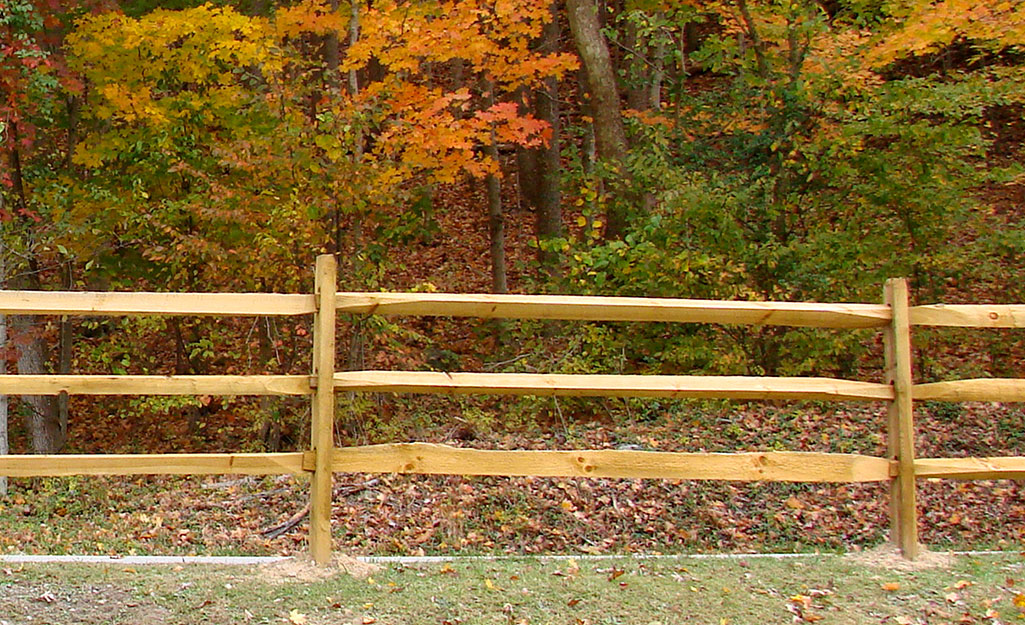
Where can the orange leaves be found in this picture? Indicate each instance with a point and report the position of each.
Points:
(430, 130)
(492, 38)
(511, 127)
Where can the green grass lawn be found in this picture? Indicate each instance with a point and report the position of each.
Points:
(827, 589)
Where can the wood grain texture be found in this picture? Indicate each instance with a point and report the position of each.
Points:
(151, 464)
(489, 306)
(726, 387)
(322, 429)
(969, 315)
(200, 304)
(900, 420)
(994, 468)
(982, 389)
(426, 458)
(155, 384)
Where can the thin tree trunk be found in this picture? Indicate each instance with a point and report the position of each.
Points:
(353, 38)
(633, 65)
(658, 74)
(332, 52)
(270, 426)
(548, 224)
(588, 151)
(66, 327)
(496, 226)
(64, 358)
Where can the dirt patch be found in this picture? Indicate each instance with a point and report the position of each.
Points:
(304, 569)
(30, 603)
(888, 557)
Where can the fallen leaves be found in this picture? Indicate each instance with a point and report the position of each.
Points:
(803, 606)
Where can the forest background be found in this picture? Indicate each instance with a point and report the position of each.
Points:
(743, 149)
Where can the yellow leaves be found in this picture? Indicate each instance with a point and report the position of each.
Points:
(931, 26)
(890, 586)
(296, 618)
(151, 69)
(801, 605)
(309, 17)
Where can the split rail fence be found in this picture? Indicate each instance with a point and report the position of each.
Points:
(894, 317)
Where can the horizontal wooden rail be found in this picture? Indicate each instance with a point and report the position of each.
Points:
(155, 384)
(982, 389)
(575, 307)
(426, 458)
(721, 387)
(969, 315)
(151, 464)
(993, 468)
(114, 303)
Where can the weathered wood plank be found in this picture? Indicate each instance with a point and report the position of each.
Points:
(322, 430)
(426, 458)
(900, 420)
(969, 315)
(981, 389)
(155, 384)
(993, 468)
(726, 387)
(151, 464)
(114, 303)
(488, 306)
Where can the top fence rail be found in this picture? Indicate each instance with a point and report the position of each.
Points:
(487, 306)
(586, 308)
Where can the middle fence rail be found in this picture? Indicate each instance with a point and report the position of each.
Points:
(894, 317)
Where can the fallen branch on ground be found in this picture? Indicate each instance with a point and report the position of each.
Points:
(295, 519)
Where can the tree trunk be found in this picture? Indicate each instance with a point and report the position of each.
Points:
(609, 131)
(331, 51)
(66, 339)
(636, 70)
(42, 419)
(496, 226)
(548, 207)
(41, 416)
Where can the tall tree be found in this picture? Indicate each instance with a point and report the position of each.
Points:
(603, 92)
(31, 83)
(540, 167)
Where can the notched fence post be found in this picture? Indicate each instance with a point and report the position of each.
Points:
(900, 438)
(322, 437)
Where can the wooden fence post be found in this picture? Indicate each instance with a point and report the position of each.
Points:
(322, 435)
(900, 426)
